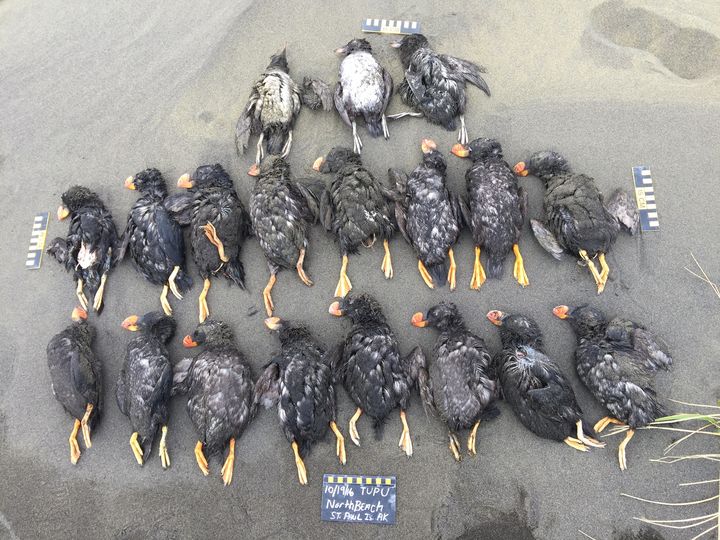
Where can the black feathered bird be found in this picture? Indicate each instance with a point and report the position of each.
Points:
(219, 225)
(274, 104)
(299, 379)
(154, 239)
(145, 382)
(618, 360)
(219, 386)
(462, 388)
(429, 216)
(435, 84)
(76, 375)
(89, 251)
(577, 220)
(282, 210)
(363, 91)
(535, 387)
(497, 209)
(356, 209)
(377, 378)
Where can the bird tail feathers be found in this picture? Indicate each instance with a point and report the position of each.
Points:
(494, 266)
(235, 272)
(183, 281)
(374, 124)
(276, 140)
(438, 272)
(379, 427)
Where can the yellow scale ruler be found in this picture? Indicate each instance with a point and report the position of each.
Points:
(37, 241)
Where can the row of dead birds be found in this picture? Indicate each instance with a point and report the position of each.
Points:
(616, 359)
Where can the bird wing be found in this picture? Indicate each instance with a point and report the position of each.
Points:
(651, 347)
(125, 238)
(82, 376)
(170, 236)
(267, 387)
(547, 240)
(181, 206)
(316, 93)
(624, 209)
(333, 358)
(340, 105)
(388, 84)
(120, 393)
(523, 196)
(460, 209)
(399, 178)
(327, 211)
(311, 192)
(181, 376)
(249, 121)
(471, 72)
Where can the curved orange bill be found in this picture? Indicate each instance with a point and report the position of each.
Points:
(185, 181)
(334, 309)
(62, 212)
(417, 320)
(188, 342)
(130, 182)
(428, 145)
(273, 323)
(520, 169)
(561, 312)
(496, 317)
(460, 150)
(318, 163)
(254, 170)
(130, 323)
(78, 314)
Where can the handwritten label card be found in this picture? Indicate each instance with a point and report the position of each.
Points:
(359, 499)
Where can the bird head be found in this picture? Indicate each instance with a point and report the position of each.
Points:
(76, 198)
(147, 181)
(155, 323)
(279, 61)
(354, 45)
(443, 316)
(408, 45)
(209, 332)
(335, 160)
(359, 308)
(479, 149)
(432, 157)
(274, 165)
(516, 329)
(78, 314)
(206, 176)
(543, 164)
(584, 319)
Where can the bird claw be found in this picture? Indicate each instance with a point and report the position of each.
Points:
(164, 456)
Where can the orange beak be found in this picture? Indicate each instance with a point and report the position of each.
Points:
(417, 320)
(460, 150)
(561, 312)
(495, 317)
(334, 309)
(318, 163)
(62, 212)
(78, 314)
(130, 323)
(188, 342)
(428, 145)
(130, 182)
(520, 169)
(254, 170)
(185, 181)
(273, 323)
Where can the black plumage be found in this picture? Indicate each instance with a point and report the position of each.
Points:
(577, 220)
(219, 225)
(274, 104)
(461, 388)
(356, 208)
(497, 209)
(429, 216)
(375, 376)
(535, 386)
(76, 375)
(219, 386)
(282, 210)
(299, 379)
(363, 90)
(154, 239)
(89, 251)
(145, 382)
(618, 360)
(435, 84)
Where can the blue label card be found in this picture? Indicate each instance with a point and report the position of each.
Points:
(359, 499)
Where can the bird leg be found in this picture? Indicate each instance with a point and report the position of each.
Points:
(386, 132)
(211, 235)
(285, 153)
(164, 456)
(473, 438)
(357, 143)
(455, 447)
(85, 427)
(267, 298)
(405, 440)
(451, 271)
(604, 269)
(97, 301)
(164, 301)
(260, 153)
(201, 459)
(621, 449)
(585, 439)
(478, 277)
(519, 269)
(386, 266)
(604, 422)
(202, 301)
(340, 445)
(576, 444)
(593, 270)
(74, 446)
(425, 275)
(352, 427)
(462, 134)
(227, 470)
(81, 295)
(136, 448)
(301, 271)
(302, 472)
(344, 286)
(173, 285)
